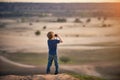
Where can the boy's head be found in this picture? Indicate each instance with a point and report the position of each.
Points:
(50, 35)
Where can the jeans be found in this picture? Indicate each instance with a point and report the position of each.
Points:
(50, 60)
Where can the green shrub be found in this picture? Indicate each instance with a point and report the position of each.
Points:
(61, 20)
(37, 32)
(64, 59)
(23, 20)
(104, 25)
(88, 20)
(44, 27)
(77, 20)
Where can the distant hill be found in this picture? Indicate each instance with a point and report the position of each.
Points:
(59, 9)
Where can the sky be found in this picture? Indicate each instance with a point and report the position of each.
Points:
(58, 1)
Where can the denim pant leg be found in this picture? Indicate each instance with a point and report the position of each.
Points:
(50, 60)
(56, 64)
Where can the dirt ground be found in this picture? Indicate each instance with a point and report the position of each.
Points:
(93, 50)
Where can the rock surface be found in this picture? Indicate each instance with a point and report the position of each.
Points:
(39, 77)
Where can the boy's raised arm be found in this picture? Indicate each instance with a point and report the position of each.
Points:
(61, 40)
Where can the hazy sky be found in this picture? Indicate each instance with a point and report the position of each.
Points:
(59, 1)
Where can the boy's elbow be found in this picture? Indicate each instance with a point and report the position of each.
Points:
(61, 41)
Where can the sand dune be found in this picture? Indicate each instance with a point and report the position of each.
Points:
(83, 69)
(23, 68)
(15, 63)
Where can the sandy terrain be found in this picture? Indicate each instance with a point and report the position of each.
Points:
(20, 36)
(17, 37)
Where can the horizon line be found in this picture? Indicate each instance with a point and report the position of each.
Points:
(55, 2)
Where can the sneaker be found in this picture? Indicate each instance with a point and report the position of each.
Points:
(48, 73)
(56, 73)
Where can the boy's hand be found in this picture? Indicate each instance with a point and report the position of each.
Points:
(61, 40)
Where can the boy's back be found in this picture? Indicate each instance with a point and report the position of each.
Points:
(52, 45)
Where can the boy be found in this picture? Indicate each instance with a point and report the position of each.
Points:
(52, 45)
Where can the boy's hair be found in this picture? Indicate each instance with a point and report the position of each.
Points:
(50, 35)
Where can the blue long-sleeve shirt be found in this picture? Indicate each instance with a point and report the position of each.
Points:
(52, 45)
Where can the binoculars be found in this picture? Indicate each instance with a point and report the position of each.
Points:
(56, 35)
